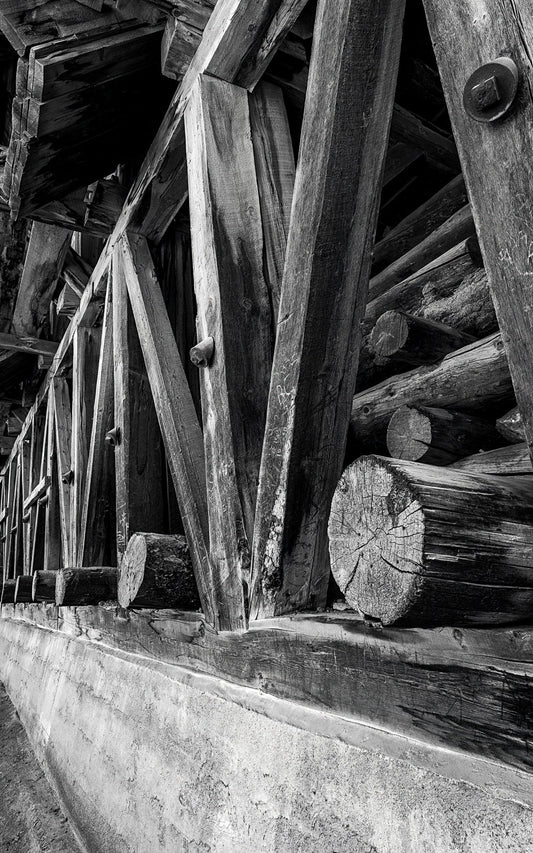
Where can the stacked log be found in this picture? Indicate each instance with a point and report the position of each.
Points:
(417, 544)
(44, 586)
(156, 571)
(85, 586)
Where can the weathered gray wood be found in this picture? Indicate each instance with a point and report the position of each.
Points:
(238, 42)
(175, 409)
(8, 591)
(508, 461)
(139, 465)
(315, 362)
(437, 436)
(27, 344)
(44, 258)
(97, 510)
(463, 303)
(63, 437)
(157, 572)
(420, 223)
(418, 544)
(104, 200)
(409, 341)
(469, 379)
(458, 227)
(234, 309)
(465, 39)
(275, 170)
(44, 586)
(23, 589)
(438, 146)
(77, 587)
(510, 426)
(52, 517)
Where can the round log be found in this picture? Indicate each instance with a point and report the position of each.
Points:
(156, 571)
(44, 586)
(471, 379)
(514, 459)
(420, 545)
(438, 436)
(410, 341)
(8, 592)
(23, 589)
(79, 587)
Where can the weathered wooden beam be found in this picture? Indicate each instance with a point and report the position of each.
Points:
(139, 464)
(238, 42)
(8, 591)
(157, 572)
(84, 375)
(6, 444)
(68, 302)
(98, 505)
(323, 298)
(469, 379)
(78, 587)
(465, 40)
(438, 146)
(438, 436)
(44, 586)
(234, 309)
(421, 223)
(45, 254)
(23, 589)
(103, 200)
(27, 344)
(50, 501)
(174, 406)
(424, 545)
(76, 271)
(37, 493)
(63, 438)
(457, 228)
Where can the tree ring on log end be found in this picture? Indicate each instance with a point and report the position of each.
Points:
(376, 522)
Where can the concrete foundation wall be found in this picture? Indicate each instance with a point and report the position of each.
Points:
(150, 757)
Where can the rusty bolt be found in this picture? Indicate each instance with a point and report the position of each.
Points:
(491, 90)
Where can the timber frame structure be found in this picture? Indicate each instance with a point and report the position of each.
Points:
(241, 451)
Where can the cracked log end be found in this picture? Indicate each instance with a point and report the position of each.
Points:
(376, 530)
(156, 572)
(423, 545)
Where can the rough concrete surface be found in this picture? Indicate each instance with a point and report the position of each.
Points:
(31, 820)
(149, 759)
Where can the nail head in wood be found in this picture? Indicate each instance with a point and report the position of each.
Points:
(491, 90)
(201, 355)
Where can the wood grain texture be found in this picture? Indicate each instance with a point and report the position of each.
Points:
(157, 572)
(26, 343)
(44, 258)
(438, 436)
(44, 586)
(510, 426)
(323, 298)
(469, 379)
(466, 35)
(507, 461)
(138, 450)
(389, 677)
(63, 436)
(423, 545)
(98, 506)
(175, 409)
(275, 170)
(234, 309)
(82, 586)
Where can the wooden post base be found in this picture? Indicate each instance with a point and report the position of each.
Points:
(44, 586)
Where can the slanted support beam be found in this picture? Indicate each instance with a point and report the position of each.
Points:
(342, 152)
(234, 310)
(467, 35)
(174, 406)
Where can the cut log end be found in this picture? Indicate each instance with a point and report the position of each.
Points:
(376, 520)
(389, 335)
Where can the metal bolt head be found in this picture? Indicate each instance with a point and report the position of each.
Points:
(491, 90)
(113, 437)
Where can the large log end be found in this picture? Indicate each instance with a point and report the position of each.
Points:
(156, 571)
(376, 521)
